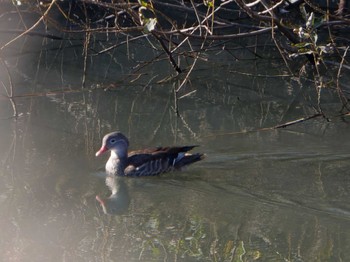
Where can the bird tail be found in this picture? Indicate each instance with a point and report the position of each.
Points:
(187, 159)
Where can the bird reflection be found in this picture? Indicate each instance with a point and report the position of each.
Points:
(118, 202)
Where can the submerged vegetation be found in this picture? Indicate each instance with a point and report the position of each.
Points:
(310, 37)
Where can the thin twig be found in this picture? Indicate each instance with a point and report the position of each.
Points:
(223, 37)
(10, 93)
(197, 16)
(188, 74)
(339, 90)
(172, 61)
(31, 28)
(297, 121)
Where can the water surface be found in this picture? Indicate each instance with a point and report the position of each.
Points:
(264, 195)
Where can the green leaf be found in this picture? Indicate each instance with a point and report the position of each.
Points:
(310, 21)
(301, 45)
(143, 3)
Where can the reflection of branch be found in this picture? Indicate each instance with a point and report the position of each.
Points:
(9, 94)
(85, 53)
(187, 126)
(34, 33)
(339, 90)
(127, 41)
(158, 127)
(290, 123)
(297, 121)
(32, 27)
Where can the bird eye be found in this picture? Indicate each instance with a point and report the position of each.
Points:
(113, 140)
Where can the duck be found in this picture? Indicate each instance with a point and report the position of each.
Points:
(144, 162)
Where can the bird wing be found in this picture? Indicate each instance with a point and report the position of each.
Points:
(154, 161)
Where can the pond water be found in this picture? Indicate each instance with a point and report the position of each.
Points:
(259, 195)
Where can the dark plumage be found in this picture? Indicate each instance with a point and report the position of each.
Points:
(147, 162)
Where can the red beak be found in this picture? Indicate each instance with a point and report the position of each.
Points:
(101, 151)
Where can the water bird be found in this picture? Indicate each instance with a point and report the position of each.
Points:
(145, 162)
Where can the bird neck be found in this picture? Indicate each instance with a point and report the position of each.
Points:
(116, 164)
